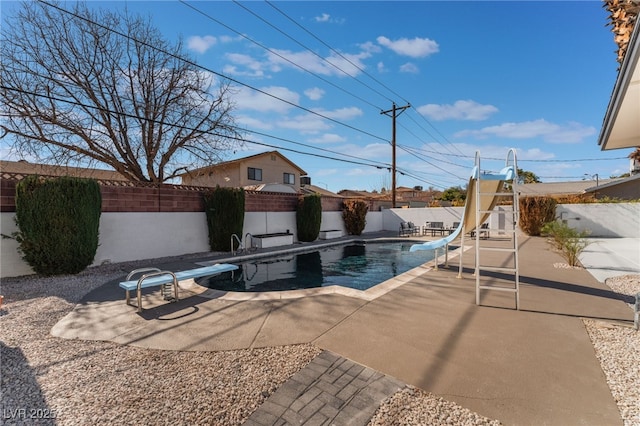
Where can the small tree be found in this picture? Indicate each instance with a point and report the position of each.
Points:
(58, 221)
(97, 85)
(224, 208)
(309, 217)
(535, 212)
(354, 214)
(568, 241)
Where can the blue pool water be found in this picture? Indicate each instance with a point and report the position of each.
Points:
(354, 265)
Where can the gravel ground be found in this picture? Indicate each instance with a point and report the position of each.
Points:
(618, 349)
(412, 406)
(47, 380)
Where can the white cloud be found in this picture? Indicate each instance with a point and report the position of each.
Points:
(255, 68)
(415, 48)
(247, 99)
(351, 64)
(370, 47)
(460, 110)
(341, 114)
(381, 67)
(325, 17)
(328, 138)
(305, 123)
(315, 93)
(572, 132)
(201, 44)
(253, 123)
(409, 68)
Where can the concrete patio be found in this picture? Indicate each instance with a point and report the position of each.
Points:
(532, 366)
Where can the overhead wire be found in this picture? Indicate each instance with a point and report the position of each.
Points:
(83, 105)
(337, 52)
(208, 16)
(231, 79)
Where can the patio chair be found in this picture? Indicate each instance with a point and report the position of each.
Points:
(484, 231)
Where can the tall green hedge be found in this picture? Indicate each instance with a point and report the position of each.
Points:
(535, 212)
(224, 208)
(58, 221)
(309, 217)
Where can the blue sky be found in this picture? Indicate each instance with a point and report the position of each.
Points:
(488, 76)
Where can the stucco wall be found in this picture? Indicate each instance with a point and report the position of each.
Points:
(135, 236)
(603, 220)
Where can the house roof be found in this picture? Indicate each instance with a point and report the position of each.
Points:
(25, 168)
(207, 169)
(612, 183)
(621, 127)
(561, 188)
(313, 189)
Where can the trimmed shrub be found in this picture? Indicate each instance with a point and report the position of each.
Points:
(224, 208)
(568, 241)
(309, 217)
(58, 221)
(354, 214)
(535, 212)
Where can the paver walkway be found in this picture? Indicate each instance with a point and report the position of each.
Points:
(329, 390)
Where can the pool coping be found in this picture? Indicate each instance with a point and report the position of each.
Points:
(368, 295)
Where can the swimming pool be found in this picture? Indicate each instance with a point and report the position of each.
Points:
(356, 265)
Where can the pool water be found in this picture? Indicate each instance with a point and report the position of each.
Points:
(355, 265)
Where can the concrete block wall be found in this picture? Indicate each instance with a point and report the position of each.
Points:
(145, 223)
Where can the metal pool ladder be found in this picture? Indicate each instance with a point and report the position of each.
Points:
(240, 245)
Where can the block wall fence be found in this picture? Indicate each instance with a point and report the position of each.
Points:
(148, 222)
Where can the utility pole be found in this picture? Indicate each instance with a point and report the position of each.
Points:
(394, 113)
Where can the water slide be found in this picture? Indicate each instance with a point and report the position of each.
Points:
(479, 183)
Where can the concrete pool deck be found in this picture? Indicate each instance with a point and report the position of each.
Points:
(533, 366)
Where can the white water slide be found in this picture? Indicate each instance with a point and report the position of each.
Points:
(483, 193)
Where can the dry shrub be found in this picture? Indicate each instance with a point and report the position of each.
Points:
(535, 212)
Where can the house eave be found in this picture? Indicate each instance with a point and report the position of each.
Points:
(621, 126)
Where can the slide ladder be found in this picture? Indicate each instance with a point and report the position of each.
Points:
(484, 191)
(496, 248)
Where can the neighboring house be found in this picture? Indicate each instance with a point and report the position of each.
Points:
(269, 171)
(405, 197)
(623, 189)
(313, 189)
(23, 168)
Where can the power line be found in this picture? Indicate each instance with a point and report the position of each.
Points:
(341, 55)
(317, 55)
(212, 71)
(83, 105)
(276, 53)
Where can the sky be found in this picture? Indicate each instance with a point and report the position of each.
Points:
(476, 77)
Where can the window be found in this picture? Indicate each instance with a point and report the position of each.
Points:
(289, 178)
(255, 174)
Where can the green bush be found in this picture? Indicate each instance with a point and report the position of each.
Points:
(58, 221)
(568, 241)
(309, 217)
(224, 208)
(535, 212)
(354, 214)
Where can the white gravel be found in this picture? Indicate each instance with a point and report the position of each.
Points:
(47, 380)
(617, 346)
(412, 406)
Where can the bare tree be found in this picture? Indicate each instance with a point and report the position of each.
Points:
(85, 85)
